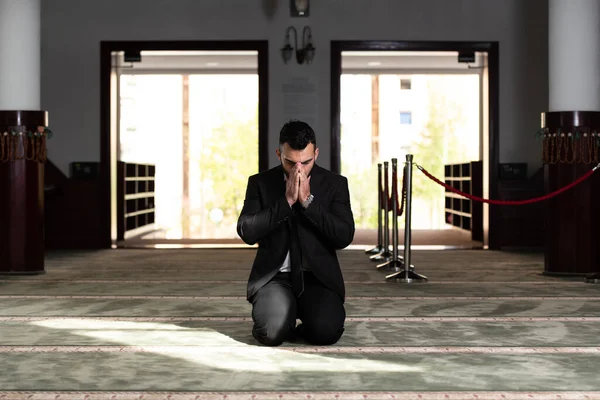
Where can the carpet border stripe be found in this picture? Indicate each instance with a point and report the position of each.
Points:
(348, 319)
(167, 297)
(301, 349)
(225, 281)
(338, 395)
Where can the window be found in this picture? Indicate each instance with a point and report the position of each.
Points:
(405, 118)
(405, 84)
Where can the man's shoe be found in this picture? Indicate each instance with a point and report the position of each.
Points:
(299, 332)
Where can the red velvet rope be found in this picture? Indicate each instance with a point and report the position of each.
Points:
(394, 189)
(381, 195)
(386, 199)
(401, 195)
(509, 202)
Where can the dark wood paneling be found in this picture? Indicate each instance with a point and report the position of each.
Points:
(135, 198)
(495, 221)
(460, 211)
(522, 225)
(335, 105)
(72, 210)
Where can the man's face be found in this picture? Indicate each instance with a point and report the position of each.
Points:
(303, 159)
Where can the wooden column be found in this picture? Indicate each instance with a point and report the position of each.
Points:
(570, 149)
(22, 157)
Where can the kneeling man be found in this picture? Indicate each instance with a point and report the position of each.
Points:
(299, 214)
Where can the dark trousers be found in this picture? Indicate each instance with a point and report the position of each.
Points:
(275, 309)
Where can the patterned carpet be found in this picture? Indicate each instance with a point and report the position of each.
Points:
(174, 324)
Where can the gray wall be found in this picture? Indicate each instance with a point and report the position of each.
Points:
(73, 29)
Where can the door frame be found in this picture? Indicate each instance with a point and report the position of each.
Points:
(108, 117)
(492, 50)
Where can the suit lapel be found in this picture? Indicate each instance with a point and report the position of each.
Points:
(276, 183)
(316, 181)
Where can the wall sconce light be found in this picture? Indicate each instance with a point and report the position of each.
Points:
(299, 8)
(304, 54)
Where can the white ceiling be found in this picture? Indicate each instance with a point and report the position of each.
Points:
(246, 61)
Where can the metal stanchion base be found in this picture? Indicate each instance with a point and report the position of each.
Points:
(593, 278)
(407, 277)
(383, 256)
(394, 265)
(375, 250)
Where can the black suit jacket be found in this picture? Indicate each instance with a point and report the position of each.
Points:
(324, 227)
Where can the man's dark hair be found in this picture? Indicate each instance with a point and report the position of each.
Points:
(297, 135)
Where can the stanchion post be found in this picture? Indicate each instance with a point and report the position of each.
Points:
(379, 248)
(408, 215)
(395, 263)
(395, 212)
(407, 275)
(385, 253)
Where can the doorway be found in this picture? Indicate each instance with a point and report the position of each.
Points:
(177, 121)
(432, 100)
